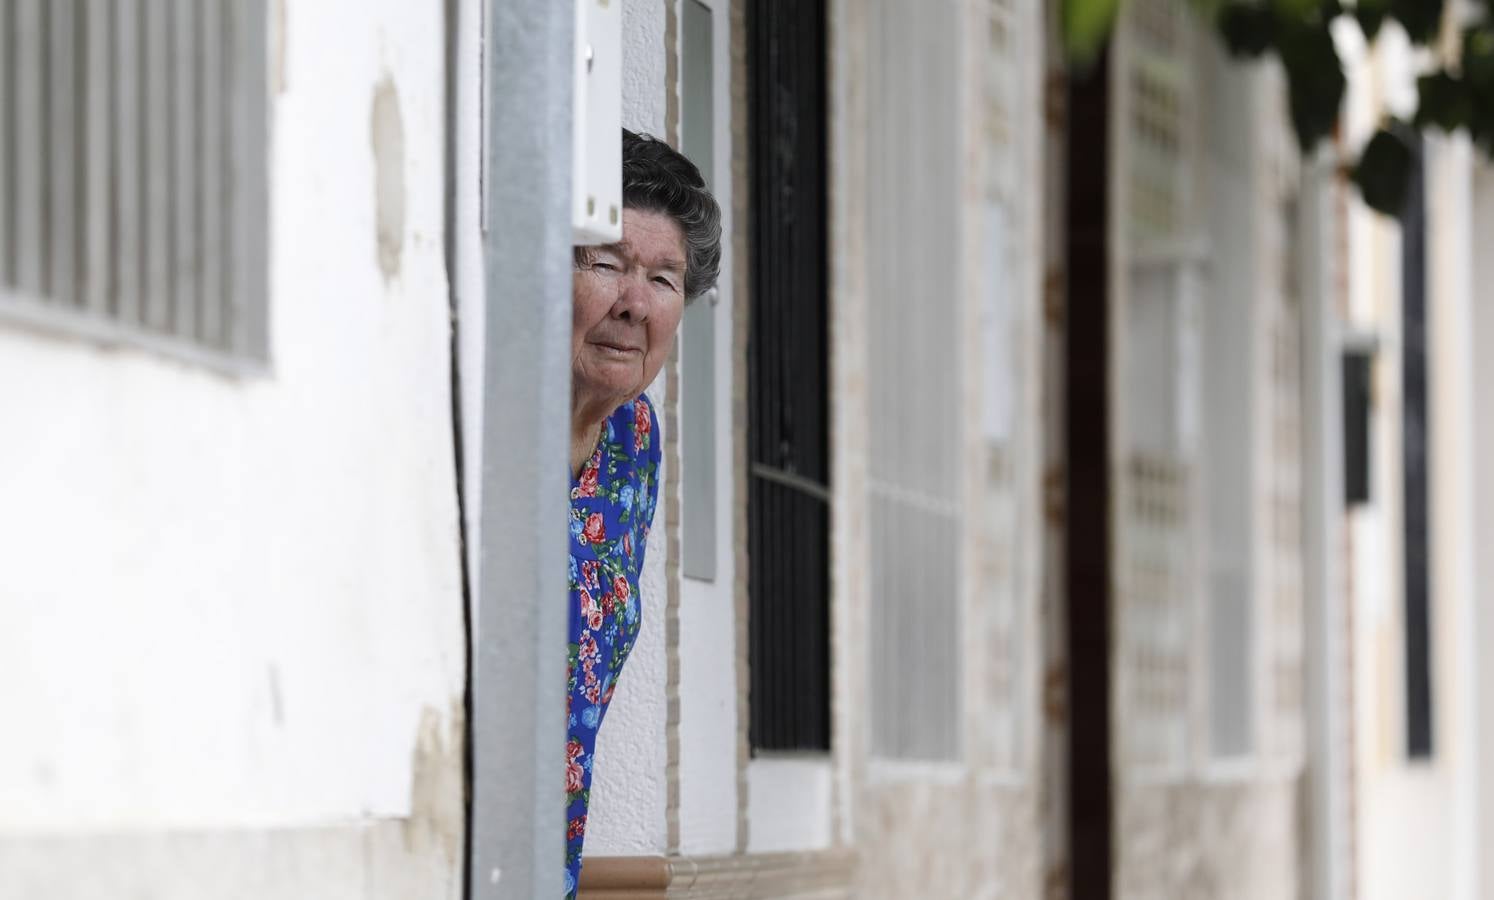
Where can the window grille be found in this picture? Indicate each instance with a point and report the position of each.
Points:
(1155, 609)
(1286, 565)
(133, 157)
(788, 379)
(1155, 626)
(1157, 82)
(1003, 95)
(916, 435)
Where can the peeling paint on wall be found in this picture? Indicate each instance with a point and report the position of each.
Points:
(437, 814)
(387, 132)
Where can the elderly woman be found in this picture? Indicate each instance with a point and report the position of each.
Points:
(629, 298)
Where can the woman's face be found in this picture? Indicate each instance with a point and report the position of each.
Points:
(628, 301)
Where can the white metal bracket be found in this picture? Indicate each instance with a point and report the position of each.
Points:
(596, 184)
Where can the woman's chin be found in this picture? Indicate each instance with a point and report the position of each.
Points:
(615, 384)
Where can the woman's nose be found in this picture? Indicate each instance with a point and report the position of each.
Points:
(632, 299)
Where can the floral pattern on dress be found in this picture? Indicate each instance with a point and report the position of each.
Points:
(612, 506)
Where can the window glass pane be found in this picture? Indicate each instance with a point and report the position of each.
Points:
(698, 331)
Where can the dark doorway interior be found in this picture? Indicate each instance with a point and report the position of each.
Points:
(1088, 522)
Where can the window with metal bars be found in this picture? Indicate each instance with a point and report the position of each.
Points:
(133, 159)
(788, 379)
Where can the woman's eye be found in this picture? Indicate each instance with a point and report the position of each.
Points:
(665, 282)
(604, 266)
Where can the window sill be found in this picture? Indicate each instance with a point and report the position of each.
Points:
(58, 322)
(790, 802)
(822, 874)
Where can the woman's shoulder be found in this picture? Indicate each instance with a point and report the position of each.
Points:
(637, 420)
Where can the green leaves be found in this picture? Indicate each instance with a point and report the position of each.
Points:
(1299, 33)
(1383, 173)
(1315, 80)
(1371, 14)
(1478, 56)
(1463, 98)
(1478, 84)
(1445, 101)
(1087, 25)
(1248, 30)
(1420, 18)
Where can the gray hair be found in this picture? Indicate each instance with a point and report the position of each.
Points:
(658, 178)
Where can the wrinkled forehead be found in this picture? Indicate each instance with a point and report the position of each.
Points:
(653, 239)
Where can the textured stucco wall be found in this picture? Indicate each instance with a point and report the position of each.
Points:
(232, 646)
(1208, 841)
(629, 790)
(954, 840)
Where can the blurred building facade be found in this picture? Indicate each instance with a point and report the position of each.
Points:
(1204, 306)
(1414, 538)
(1071, 489)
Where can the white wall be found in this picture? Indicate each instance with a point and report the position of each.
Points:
(1482, 494)
(233, 607)
(468, 273)
(1451, 353)
(708, 732)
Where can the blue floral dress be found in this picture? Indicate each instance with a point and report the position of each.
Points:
(612, 505)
